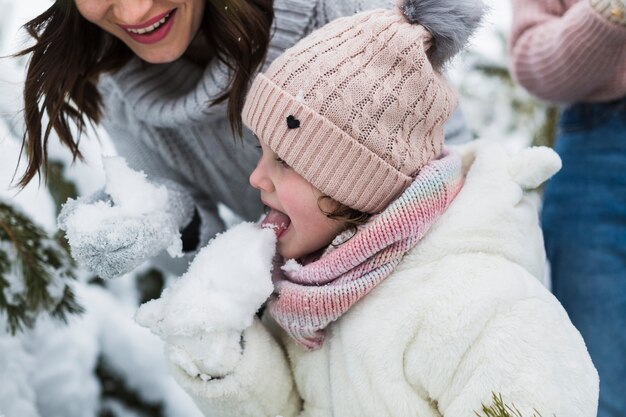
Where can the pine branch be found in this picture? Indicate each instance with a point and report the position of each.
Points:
(499, 409)
(35, 271)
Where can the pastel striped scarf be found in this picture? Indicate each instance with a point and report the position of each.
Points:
(308, 298)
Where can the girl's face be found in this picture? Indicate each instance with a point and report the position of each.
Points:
(295, 214)
(157, 31)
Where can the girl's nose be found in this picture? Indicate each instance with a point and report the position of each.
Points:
(132, 12)
(259, 178)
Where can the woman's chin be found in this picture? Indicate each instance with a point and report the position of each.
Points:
(156, 56)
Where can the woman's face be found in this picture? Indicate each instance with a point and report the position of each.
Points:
(157, 31)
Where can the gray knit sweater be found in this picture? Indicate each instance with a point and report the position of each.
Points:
(159, 119)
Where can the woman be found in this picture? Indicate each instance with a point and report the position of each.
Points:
(573, 52)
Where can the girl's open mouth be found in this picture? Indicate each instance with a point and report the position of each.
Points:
(277, 221)
(153, 30)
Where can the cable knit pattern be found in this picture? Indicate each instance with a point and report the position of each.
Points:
(366, 82)
(566, 51)
(313, 296)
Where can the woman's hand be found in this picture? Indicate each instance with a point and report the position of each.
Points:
(115, 244)
(133, 219)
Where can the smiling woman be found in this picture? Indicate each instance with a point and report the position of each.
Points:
(156, 32)
(167, 80)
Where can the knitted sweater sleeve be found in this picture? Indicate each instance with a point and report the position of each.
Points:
(565, 54)
(261, 384)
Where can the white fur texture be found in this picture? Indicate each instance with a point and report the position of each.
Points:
(464, 315)
(533, 166)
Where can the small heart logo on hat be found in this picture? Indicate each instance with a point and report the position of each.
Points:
(292, 122)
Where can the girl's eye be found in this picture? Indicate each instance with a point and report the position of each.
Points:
(282, 162)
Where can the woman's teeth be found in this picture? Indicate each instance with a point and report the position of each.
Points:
(150, 28)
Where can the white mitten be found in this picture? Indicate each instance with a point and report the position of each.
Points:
(202, 315)
(132, 219)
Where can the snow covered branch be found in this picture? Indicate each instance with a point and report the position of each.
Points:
(35, 271)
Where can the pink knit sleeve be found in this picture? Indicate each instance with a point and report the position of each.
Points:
(567, 54)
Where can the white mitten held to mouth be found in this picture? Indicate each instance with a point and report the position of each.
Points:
(201, 316)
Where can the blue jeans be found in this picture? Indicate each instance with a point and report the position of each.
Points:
(584, 222)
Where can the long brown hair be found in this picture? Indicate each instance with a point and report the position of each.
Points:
(70, 53)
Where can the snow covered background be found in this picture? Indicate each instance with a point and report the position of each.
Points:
(52, 371)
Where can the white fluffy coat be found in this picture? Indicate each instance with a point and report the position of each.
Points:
(464, 316)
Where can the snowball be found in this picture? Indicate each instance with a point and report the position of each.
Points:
(130, 189)
(291, 266)
(88, 217)
(223, 288)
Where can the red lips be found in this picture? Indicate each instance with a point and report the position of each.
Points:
(155, 35)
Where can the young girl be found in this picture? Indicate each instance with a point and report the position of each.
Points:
(405, 292)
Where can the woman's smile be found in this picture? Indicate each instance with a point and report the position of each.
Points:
(157, 31)
(153, 30)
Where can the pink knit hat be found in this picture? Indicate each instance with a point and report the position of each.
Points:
(358, 107)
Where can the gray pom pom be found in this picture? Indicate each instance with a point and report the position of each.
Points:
(451, 22)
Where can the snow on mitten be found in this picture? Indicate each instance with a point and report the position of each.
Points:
(133, 219)
(202, 315)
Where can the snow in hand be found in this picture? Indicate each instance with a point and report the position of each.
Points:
(130, 191)
(131, 211)
(202, 315)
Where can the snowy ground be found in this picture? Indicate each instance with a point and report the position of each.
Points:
(49, 372)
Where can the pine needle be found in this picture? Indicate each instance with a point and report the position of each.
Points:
(499, 409)
(35, 271)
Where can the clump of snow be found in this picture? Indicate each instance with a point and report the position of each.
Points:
(131, 190)
(88, 217)
(62, 375)
(15, 288)
(291, 266)
(17, 397)
(201, 316)
(131, 193)
(225, 285)
(114, 236)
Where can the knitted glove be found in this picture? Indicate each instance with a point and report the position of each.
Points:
(612, 10)
(113, 231)
(202, 316)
